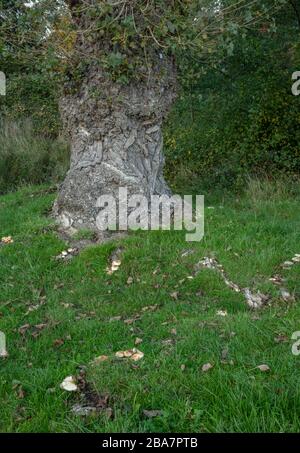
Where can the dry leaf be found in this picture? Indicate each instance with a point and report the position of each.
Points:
(22, 330)
(40, 326)
(281, 338)
(150, 308)
(224, 354)
(115, 318)
(129, 280)
(263, 367)
(174, 295)
(58, 342)
(286, 296)
(187, 252)
(69, 384)
(7, 240)
(276, 279)
(83, 411)
(138, 341)
(152, 414)
(138, 355)
(222, 313)
(67, 254)
(132, 320)
(20, 393)
(206, 367)
(133, 354)
(100, 359)
(113, 267)
(287, 264)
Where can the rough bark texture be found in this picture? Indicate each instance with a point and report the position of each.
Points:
(116, 140)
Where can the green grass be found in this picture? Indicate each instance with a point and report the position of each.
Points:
(250, 237)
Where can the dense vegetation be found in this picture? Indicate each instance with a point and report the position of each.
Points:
(241, 118)
(235, 113)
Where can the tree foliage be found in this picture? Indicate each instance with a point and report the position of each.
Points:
(241, 118)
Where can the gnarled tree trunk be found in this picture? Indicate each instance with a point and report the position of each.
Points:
(116, 140)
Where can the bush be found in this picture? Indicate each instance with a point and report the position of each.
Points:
(240, 118)
(27, 158)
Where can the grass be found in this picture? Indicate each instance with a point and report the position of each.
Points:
(250, 236)
(27, 158)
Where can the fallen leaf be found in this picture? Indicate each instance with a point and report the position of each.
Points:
(100, 359)
(187, 252)
(263, 367)
(83, 411)
(281, 338)
(113, 267)
(276, 279)
(206, 367)
(152, 413)
(69, 384)
(22, 330)
(58, 342)
(138, 341)
(138, 355)
(7, 240)
(287, 264)
(286, 296)
(20, 393)
(168, 342)
(40, 326)
(224, 354)
(150, 308)
(120, 354)
(129, 280)
(174, 295)
(134, 354)
(222, 313)
(35, 334)
(115, 318)
(132, 320)
(67, 254)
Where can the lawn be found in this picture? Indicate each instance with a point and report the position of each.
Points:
(60, 315)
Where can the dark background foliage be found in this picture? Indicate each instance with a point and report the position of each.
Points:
(240, 118)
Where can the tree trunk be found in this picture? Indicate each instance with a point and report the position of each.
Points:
(116, 140)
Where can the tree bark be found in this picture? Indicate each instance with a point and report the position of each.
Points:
(116, 141)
